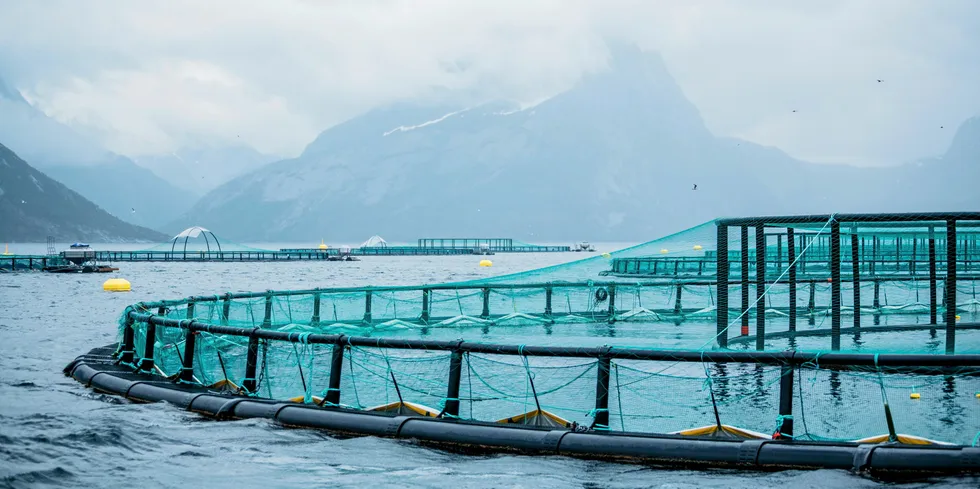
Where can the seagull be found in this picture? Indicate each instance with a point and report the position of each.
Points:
(23, 202)
(695, 187)
(794, 111)
(134, 210)
(879, 81)
(940, 127)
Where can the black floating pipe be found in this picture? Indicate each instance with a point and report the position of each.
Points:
(601, 419)
(835, 285)
(451, 408)
(791, 251)
(950, 286)
(251, 362)
(760, 287)
(336, 368)
(933, 297)
(856, 277)
(745, 280)
(721, 264)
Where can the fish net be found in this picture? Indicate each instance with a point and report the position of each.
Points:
(819, 286)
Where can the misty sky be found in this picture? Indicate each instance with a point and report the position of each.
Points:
(150, 77)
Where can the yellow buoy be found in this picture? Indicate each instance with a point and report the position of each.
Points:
(664, 250)
(957, 317)
(486, 263)
(116, 285)
(698, 248)
(606, 255)
(914, 395)
(978, 395)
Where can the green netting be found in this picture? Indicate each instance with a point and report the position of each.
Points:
(660, 295)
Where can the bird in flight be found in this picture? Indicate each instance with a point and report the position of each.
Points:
(879, 81)
(695, 187)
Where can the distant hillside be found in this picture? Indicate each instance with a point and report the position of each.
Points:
(112, 181)
(614, 158)
(34, 206)
(125, 190)
(201, 169)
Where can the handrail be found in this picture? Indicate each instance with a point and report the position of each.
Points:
(613, 352)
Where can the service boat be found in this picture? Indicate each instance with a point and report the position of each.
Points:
(81, 259)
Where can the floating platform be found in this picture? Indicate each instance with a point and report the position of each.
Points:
(101, 370)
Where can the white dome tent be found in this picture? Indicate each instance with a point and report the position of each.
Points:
(194, 232)
(375, 242)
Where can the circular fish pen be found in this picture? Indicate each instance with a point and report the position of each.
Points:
(590, 360)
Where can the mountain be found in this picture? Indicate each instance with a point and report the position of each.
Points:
(125, 190)
(35, 206)
(201, 169)
(613, 158)
(112, 181)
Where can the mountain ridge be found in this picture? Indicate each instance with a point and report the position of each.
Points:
(613, 158)
(112, 181)
(35, 206)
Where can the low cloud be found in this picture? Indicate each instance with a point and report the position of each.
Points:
(151, 77)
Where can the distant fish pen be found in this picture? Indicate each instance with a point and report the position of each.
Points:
(583, 360)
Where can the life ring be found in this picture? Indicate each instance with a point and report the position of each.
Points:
(601, 295)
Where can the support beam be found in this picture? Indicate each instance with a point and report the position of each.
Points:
(835, 285)
(721, 316)
(785, 428)
(933, 296)
(745, 280)
(451, 409)
(791, 250)
(856, 276)
(336, 369)
(601, 420)
(950, 286)
(760, 287)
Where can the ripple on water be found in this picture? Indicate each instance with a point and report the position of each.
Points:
(56, 476)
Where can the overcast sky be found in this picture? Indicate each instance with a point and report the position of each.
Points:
(149, 77)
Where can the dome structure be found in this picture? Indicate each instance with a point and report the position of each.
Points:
(194, 232)
(375, 242)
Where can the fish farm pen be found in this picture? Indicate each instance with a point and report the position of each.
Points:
(14, 263)
(756, 371)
